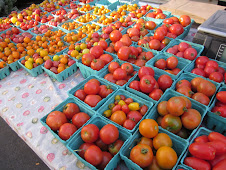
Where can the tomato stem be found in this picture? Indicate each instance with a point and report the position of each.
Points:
(144, 151)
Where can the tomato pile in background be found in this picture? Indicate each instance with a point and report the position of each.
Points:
(61, 34)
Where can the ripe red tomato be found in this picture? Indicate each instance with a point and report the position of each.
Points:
(150, 25)
(190, 53)
(97, 64)
(171, 123)
(176, 29)
(134, 115)
(106, 159)
(101, 145)
(145, 71)
(191, 119)
(220, 165)
(109, 134)
(115, 147)
(159, 35)
(201, 98)
(206, 87)
(128, 67)
(172, 50)
(149, 55)
(221, 70)
(119, 74)
(176, 106)
(129, 124)
(125, 108)
(171, 62)
(199, 71)
(92, 100)
(118, 45)
(135, 84)
(80, 119)
(202, 139)
(96, 51)
(209, 70)
(113, 66)
(156, 94)
(115, 35)
(185, 91)
(70, 110)
(164, 82)
(147, 83)
(202, 151)
(161, 64)
(183, 83)
(55, 119)
(105, 91)
(109, 77)
(183, 46)
(202, 60)
(90, 133)
(197, 163)
(140, 62)
(87, 59)
(124, 53)
(221, 96)
(215, 136)
(91, 88)
(217, 159)
(121, 82)
(93, 155)
(219, 146)
(154, 44)
(216, 76)
(80, 94)
(185, 20)
(143, 110)
(103, 44)
(142, 155)
(83, 148)
(212, 63)
(66, 130)
(106, 58)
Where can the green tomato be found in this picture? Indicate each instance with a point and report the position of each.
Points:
(107, 113)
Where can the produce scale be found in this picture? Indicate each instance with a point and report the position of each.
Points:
(113, 85)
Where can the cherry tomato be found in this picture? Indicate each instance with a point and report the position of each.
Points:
(125, 108)
(135, 85)
(156, 94)
(93, 155)
(143, 110)
(135, 116)
(129, 124)
(107, 137)
(128, 101)
(190, 53)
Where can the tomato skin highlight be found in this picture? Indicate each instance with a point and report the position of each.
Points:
(219, 146)
(202, 151)
(197, 163)
(202, 139)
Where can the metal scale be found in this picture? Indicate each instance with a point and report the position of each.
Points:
(212, 34)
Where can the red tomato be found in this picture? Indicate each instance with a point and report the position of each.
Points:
(87, 59)
(221, 70)
(118, 45)
(206, 87)
(171, 62)
(220, 165)
(115, 147)
(92, 100)
(145, 71)
(219, 146)
(191, 119)
(70, 110)
(106, 58)
(80, 119)
(190, 53)
(201, 98)
(147, 83)
(91, 88)
(105, 91)
(90, 133)
(149, 55)
(82, 149)
(106, 159)
(113, 66)
(80, 94)
(164, 82)
(115, 35)
(140, 62)
(134, 32)
(217, 159)
(134, 51)
(183, 46)
(202, 151)
(119, 74)
(216, 76)
(215, 136)
(96, 51)
(124, 53)
(208, 70)
(109, 77)
(128, 67)
(199, 71)
(150, 25)
(93, 155)
(97, 64)
(94, 81)
(159, 35)
(135, 85)
(134, 115)
(185, 20)
(156, 94)
(202, 139)
(121, 82)
(103, 44)
(143, 110)
(202, 60)
(221, 96)
(66, 130)
(212, 63)
(197, 163)
(182, 83)
(161, 64)
(126, 40)
(176, 29)
(101, 145)
(116, 108)
(109, 134)
(172, 51)
(154, 44)
(55, 119)
(129, 124)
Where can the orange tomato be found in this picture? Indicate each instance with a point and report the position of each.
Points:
(118, 117)
(162, 108)
(146, 141)
(148, 128)
(162, 139)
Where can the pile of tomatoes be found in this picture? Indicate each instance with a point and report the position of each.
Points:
(177, 116)
(207, 152)
(198, 89)
(209, 69)
(100, 144)
(157, 14)
(68, 121)
(183, 50)
(169, 65)
(148, 85)
(119, 75)
(220, 105)
(154, 150)
(125, 112)
(93, 92)
(96, 59)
